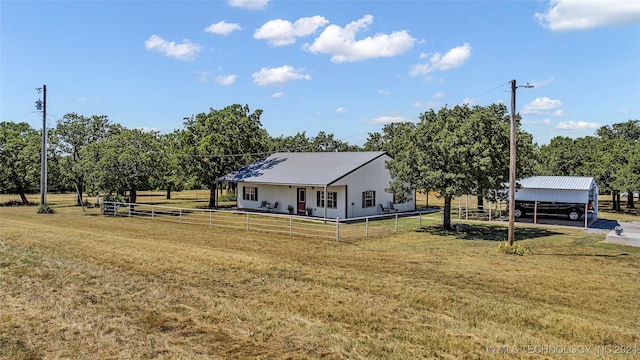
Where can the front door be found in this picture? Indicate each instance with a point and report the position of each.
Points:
(302, 201)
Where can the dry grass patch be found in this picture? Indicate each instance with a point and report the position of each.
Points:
(79, 285)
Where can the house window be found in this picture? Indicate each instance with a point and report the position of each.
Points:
(368, 199)
(250, 193)
(332, 199)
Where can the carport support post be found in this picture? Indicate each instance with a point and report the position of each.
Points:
(586, 215)
(338, 229)
(535, 212)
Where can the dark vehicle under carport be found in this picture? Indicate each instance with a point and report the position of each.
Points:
(573, 211)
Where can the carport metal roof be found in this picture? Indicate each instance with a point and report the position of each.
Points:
(558, 182)
(564, 189)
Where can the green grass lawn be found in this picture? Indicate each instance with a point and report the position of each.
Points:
(75, 284)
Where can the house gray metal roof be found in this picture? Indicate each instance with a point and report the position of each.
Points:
(304, 168)
(558, 182)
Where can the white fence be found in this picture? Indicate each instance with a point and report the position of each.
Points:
(292, 225)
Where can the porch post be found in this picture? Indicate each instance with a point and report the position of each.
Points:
(326, 197)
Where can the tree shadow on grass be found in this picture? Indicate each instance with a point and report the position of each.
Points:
(487, 232)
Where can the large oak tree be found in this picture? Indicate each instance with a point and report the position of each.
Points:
(222, 141)
(20, 148)
(74, 132)
(458, 151)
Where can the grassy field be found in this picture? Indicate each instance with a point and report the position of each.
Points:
(75, 284)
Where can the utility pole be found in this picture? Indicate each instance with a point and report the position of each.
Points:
(43, 159)
(512, 163)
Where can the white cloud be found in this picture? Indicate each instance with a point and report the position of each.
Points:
(577, 125)
(282, 32)
(277, 95)
(623, 111)
(438, 95)
(542, 83)
(452, 59)
(341, 109)
(342, 45)
(278, 76)
(559, 112)
(249, 4)
(226, 79)
(222, 28)
(469, 101)
(383, 92)
(146, 129)
(387, 120)
(427, 105)
(587, 14)
(536, 122)
(541, 106)
(185, 51)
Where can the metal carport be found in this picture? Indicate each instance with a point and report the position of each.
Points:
(560, 189)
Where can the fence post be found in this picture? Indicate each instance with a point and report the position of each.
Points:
(459, 213)
(210, 218)
(366, 227)
(396, 222)
(115, 209)
(421, 219)
(489, 211)
(129, 210)
(290, 225)
(153, 213)
(180, 215)
(338, 229)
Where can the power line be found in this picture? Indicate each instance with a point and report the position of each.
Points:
(295, 149)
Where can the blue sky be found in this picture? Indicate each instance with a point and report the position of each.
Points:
(343, 67)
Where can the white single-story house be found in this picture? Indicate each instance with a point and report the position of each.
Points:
(329, 184)
(579, 190)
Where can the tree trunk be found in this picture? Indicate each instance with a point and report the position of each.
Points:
(613, 198)
(618, 208)
(630, 203)
(168, 192)
(23, 197)
(80, 190)
(480, 203)
(212, 196)
(446, 220)
(133, 195)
